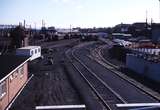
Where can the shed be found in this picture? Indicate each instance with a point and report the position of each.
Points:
(33, 51)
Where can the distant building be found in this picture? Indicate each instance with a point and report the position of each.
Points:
(5, 30)
(121, 36)
(156, 32)
(7, 26)
(139, 26)
(13, 75)
(51, 30)
(140, 29)
(64, 31)
(121, 28)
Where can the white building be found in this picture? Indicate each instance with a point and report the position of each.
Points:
(33, 51)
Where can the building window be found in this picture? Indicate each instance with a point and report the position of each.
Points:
(15, 74)
(35, 51)
(11, 78)
(32, 52)
(21, 71)
(39, 50)
(3, 89)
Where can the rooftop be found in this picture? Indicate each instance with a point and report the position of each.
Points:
(29, 47)
(10, 63)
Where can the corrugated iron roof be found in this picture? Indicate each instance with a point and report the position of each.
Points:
(8, 63)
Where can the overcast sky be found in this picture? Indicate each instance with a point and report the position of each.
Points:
(82, 13)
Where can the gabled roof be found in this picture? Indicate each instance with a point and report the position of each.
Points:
(8, 63)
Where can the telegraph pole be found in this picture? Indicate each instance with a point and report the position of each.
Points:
(159, 9)
(24, 23)
(146, 16)
(70, 31)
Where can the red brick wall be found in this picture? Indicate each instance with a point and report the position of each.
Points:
(14, 83)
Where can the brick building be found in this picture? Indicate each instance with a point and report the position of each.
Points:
(13, 75)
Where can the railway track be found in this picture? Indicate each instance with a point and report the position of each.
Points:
(4, 50)
(98, 53)
(107, 96)
(141, 93)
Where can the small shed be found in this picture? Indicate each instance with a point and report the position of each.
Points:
(33, 51)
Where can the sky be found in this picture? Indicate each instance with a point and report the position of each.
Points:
(78, 13)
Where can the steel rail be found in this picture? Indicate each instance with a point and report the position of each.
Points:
(3, 49)
(124, 77)
(99, 79)
(94, 74)
(90, 85)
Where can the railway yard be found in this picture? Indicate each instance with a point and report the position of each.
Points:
(72, 72)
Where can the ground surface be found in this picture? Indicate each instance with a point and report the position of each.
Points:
(60, 83)
(145, 81)
(50, 84)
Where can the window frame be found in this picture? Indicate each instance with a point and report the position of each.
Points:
(39, 50)
(21, 71)
(36, 51)
(3, 89)
(32, 52)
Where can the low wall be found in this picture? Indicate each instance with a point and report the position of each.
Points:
(143, 67)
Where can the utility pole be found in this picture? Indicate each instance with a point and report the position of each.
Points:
(146, 16)
(43, 23)
(70, 31)
(35, 26)
(146, 19)
(24, 23)
(159, 9)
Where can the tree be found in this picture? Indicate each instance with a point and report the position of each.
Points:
(17, 35)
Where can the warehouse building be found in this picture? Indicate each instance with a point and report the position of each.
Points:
(13, 75)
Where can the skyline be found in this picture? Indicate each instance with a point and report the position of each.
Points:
(78, 13)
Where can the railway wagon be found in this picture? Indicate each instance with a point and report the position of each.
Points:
(89, 38)
(33, 51)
